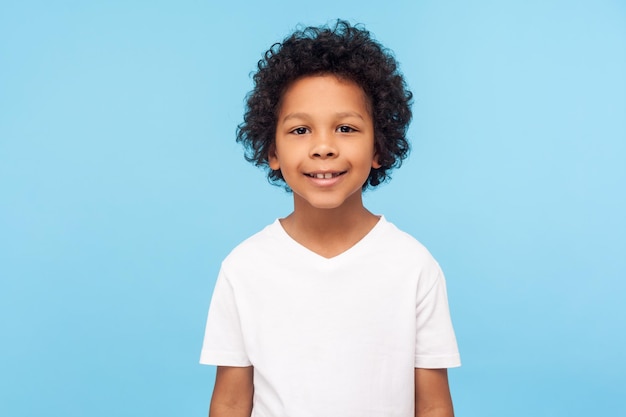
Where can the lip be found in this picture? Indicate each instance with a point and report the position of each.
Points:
(324, 174)
(329, 177)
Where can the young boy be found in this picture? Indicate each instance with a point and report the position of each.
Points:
(331, 311)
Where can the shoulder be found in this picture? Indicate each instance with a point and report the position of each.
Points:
(256, 247)
(404, 255)
(402, 242)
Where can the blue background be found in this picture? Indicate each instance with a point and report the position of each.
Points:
(121, 189)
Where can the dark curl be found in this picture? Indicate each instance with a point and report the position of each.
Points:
(349, 53)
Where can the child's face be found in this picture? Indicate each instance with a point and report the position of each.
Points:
(324, 141)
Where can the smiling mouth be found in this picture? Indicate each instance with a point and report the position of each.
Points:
(325, 175)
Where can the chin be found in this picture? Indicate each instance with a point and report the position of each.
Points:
(327, 204)
(330, 200)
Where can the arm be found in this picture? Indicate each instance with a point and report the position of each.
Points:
(232, 395)
(432, 393)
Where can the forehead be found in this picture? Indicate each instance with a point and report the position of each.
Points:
(326, 91)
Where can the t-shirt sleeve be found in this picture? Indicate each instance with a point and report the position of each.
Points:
(435, 342)
(223, 340)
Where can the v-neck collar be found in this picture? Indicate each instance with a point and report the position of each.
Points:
(314, 256)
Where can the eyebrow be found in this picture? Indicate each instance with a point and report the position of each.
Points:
(339, 115)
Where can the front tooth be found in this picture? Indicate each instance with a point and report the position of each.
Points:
(319, 175)
(328, 175)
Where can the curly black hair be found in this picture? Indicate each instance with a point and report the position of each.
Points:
(343, 50)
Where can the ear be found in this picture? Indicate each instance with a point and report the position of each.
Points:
(272, 159)
(375, 163)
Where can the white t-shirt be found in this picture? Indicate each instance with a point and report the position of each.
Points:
(336, 337)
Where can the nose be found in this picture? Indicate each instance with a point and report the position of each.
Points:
(323, 146)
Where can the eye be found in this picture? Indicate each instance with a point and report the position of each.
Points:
(345, 129)
(300, 131)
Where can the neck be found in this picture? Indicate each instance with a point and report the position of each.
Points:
(329, 232)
